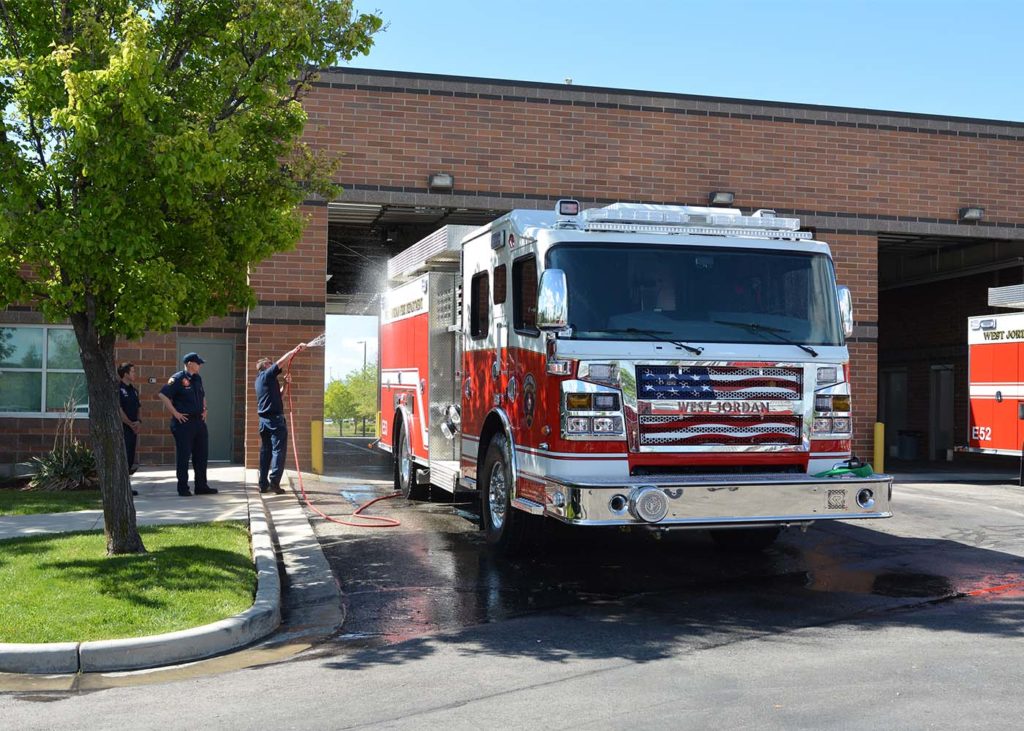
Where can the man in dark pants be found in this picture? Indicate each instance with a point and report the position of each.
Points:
(130, 422)
(273, 425)
(185, 398)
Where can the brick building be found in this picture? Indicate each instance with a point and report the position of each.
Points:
(883, 188)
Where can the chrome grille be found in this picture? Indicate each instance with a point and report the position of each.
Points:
(704, 383)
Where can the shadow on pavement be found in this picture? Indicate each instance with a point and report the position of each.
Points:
(604, 586)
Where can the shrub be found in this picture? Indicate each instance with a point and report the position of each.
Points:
(70, 468)
(70, 465)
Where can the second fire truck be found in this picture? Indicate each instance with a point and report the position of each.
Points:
(631, 365)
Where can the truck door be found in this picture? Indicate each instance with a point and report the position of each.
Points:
(980, 410)
(481, 334)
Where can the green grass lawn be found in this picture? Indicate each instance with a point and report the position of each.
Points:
(26, 502)
(63, 588)
(350, 430)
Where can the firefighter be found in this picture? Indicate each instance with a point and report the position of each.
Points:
(273, 425)
(185, 399)
(128, 396)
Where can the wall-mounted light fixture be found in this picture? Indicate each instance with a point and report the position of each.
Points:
(441, 181)
(972, 213)
(721, 198)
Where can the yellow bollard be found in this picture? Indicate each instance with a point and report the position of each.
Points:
(316, 444)
(879, 447)
(376, 428)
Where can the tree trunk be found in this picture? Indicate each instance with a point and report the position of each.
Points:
(107, 437)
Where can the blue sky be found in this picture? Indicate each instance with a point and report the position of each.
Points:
(962, 59)
(935, 57)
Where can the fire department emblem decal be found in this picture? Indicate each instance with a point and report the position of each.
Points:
(529, 398)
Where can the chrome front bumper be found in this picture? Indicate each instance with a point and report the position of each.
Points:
(716, 500)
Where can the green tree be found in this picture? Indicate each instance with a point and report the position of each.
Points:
(363, 386)
(149, 154)
(338, 402)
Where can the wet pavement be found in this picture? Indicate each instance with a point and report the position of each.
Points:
(434, 572)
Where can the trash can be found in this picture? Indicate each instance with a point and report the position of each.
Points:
(907, 445)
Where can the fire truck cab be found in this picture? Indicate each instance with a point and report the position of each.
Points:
(631, 365)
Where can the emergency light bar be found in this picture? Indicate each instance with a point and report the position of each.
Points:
(649, 218)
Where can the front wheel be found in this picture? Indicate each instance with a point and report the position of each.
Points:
(509, 531)
(745, 540)
(405, 468)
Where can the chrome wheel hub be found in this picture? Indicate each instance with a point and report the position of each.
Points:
(405, 462)
(497, 495)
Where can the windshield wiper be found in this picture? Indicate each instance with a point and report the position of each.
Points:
(776, 331)
(656, 334)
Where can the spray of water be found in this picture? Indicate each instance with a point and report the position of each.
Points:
(318, 342)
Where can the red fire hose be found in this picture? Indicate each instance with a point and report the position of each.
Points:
(379, 521)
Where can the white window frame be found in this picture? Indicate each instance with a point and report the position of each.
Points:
(81, 413)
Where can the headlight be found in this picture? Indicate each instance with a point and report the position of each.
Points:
(577, 425)
(602, 373)
(841, 402)
(828, 374)
(822, 403)
(606, 402)
(821, 426)
(608, 425)
(841, 424)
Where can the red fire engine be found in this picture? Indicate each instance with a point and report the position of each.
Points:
(631, 365)
(995, 345)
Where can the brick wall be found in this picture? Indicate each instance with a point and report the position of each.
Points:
(562, 141)
(291, 292)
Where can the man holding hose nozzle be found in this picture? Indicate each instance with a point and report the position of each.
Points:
(273, 425)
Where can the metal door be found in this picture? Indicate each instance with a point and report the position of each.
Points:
(940, 432)
(893, 408)
(218, 380)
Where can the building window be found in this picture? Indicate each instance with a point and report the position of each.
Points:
(479, 306)
(524, 287)
(40, 371)
(500, 284)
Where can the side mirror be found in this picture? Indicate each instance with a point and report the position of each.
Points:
(553, 301)
(846, 310)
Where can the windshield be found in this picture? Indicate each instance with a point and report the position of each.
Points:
(704, 294)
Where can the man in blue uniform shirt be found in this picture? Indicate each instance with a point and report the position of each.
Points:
(185, 398)
(130, 422)
(273, 426)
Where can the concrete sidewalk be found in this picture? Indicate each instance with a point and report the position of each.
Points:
(157, 503)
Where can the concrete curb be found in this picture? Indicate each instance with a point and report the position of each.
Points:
(259, 620)
(51, 658)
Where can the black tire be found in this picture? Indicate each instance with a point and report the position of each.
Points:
(405, 468)
(509, 531)
(745, 540)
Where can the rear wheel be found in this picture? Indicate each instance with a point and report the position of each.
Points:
(509, 531)
(405, 468)
(745, 540)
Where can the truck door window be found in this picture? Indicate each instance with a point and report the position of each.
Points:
(479, 302)
(524, 297)
(500, 284)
